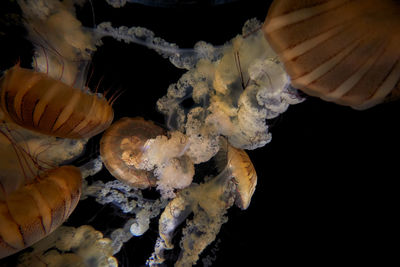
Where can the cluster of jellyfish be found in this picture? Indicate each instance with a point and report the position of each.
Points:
(48, 115)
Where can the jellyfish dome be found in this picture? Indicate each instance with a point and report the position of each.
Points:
(122, 146)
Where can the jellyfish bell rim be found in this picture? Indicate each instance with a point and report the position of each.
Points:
(234, 163)
(115, 164)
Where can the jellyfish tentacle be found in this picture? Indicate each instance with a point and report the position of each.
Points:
(185, 58)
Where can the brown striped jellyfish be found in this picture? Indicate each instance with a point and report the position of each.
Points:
(39, 110)
(208, 202)
(36, 194)
(142, 155)
(53, 99)
(121, 147)
(351, 60)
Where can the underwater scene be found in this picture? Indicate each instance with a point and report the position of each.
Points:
(198, 133)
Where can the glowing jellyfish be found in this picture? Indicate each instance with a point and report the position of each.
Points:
(351, 60)
(208, 202)
(121, 148)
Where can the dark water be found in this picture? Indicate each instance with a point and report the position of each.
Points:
(326, 183)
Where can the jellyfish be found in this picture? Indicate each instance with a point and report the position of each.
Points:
(142, 154)
(37, 191)
(236, 89)
(121, 147)
(208, 202)
(36, 209)
(36, 195)
(351, 60)
(40, 103)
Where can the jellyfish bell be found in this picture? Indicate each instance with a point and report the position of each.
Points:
(239, 166)
(46, 105)
(121, 147)
(341, 51)
(36, 209)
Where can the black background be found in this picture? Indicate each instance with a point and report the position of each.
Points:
(326, 190)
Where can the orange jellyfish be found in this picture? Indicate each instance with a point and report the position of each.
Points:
(48, 106)
(53, 100)
(341, 51)
(38, 208)
(35, 197)
(121, 148)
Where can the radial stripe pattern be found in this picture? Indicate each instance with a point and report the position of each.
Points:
(35, 210)
(43, 104)
(344, 51)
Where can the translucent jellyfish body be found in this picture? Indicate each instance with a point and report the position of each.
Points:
(208, 202)
(121, 148)
(62, 46)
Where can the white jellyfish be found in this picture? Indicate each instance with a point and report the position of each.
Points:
(208, 202)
